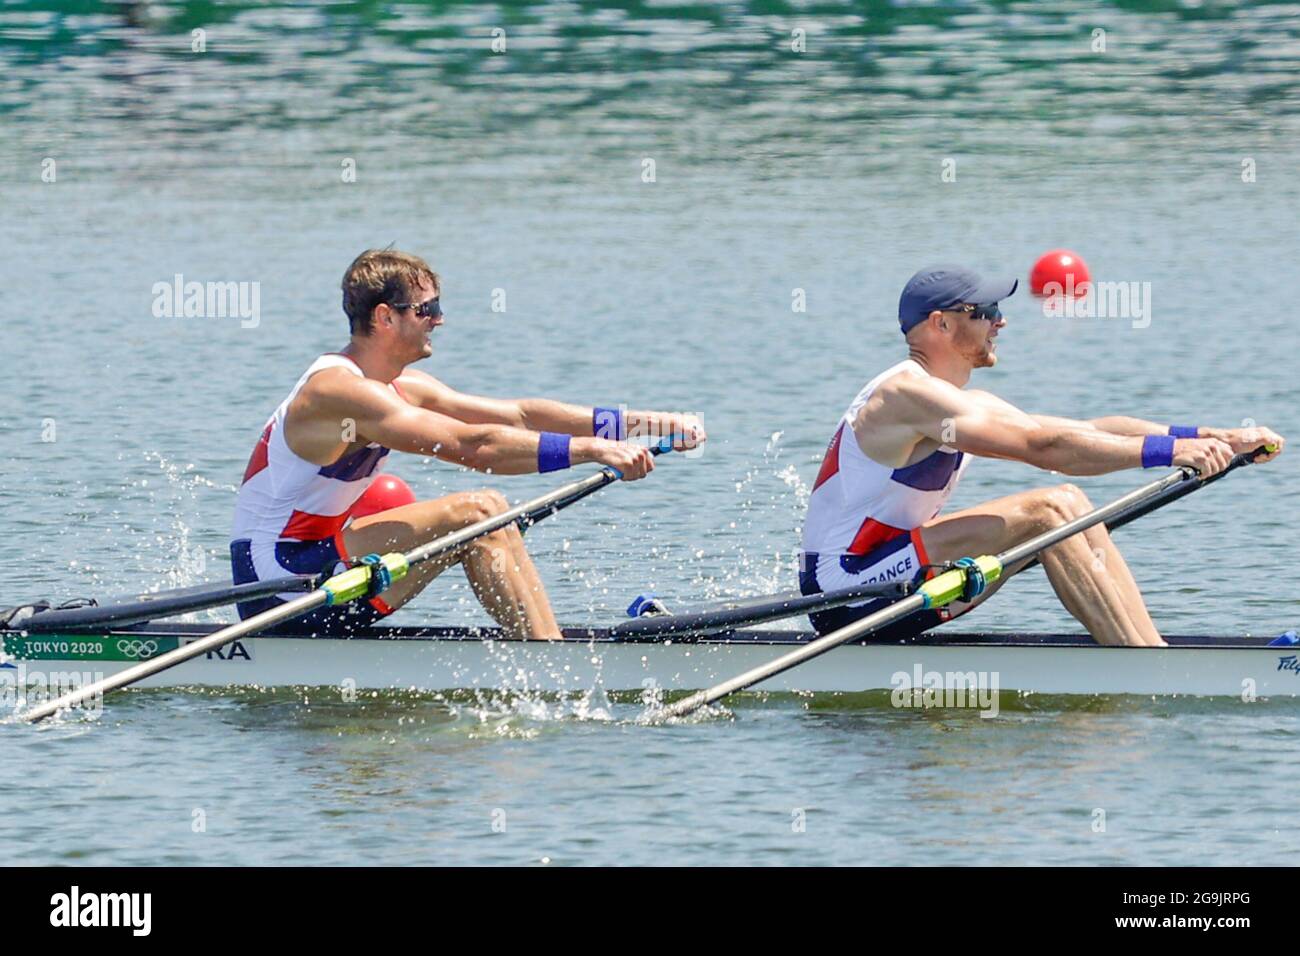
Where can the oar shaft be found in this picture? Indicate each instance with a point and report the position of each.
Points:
(581, 489)
(542, 504)
(872, 622)
(936, 592)
(148, 607)
(756, 611)
(1179, 491)
(1048, 538)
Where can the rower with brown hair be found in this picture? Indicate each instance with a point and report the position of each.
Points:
(329, 437)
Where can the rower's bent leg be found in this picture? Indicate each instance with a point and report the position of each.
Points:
(506, 581)
(498, 567)
(1086, 570)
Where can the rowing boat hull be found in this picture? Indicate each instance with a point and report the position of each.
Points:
(449, 658)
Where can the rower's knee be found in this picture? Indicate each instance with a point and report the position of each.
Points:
(481, 505)
(1061, 504)
(1075, 500)
(500, 543)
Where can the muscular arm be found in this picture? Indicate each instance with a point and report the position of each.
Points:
(1246, 439)
(1111, 424)
(534, 414)
(331, 402)
(982, 425)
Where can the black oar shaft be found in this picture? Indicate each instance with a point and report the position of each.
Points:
(148, 607)
(756, 611)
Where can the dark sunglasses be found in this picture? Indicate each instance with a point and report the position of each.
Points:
(425, 310)
(989, 312)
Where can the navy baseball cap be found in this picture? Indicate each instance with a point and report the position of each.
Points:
(942, 287)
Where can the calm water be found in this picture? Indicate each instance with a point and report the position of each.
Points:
(522, 172)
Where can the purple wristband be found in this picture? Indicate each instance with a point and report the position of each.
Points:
(552, 452)
(1157, 451)
(608, 423)
(1185, 431)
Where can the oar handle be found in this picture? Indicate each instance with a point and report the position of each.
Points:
(534, 515)
(1184, 489)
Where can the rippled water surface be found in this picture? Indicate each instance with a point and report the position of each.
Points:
(302, 133)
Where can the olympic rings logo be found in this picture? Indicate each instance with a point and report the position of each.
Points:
(138, 649)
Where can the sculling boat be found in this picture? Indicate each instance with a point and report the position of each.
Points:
(80, 652)
(442, 658)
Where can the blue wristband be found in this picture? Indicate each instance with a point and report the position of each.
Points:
(1157, 451)
(608, 423)
(552, 452)
(1185, 431)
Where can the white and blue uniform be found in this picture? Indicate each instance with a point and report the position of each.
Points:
(290, 512)
(863, 518)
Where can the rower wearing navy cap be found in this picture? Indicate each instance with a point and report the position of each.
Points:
(905, 440)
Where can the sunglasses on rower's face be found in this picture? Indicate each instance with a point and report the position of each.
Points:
(425, 310)
(990, 312)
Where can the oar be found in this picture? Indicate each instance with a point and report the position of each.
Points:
(153, 605)
(729, 615)
(1180, 491)
(159, 604)
(939, 591)
(341, 588)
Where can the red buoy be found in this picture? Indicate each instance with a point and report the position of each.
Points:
(1060, 272)
(386, 491)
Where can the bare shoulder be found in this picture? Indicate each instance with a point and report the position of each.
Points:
(334, 388)
(900, 396)
(882, 426)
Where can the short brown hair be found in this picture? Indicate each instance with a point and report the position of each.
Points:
(382, 275)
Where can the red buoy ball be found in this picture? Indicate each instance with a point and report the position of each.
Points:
(1060, 272)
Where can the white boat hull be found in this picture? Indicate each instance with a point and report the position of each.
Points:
(1046, 664)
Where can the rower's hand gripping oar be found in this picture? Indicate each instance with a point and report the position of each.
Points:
(531, 517)
(1181, 490)
(965, 580)
(368, 577)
